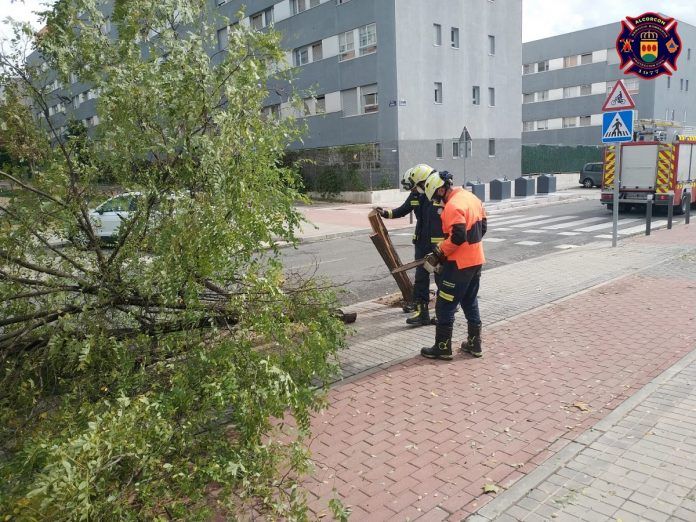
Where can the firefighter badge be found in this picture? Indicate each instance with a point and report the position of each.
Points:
(648, 46)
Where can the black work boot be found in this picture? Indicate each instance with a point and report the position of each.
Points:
(408, 307)
(443, 344)
(473, 340)
(421, 317)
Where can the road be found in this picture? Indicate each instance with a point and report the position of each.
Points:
(353, 264)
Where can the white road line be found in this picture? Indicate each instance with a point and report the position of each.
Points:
(535, 231)
(543, 221)
(566, 247)
(604, 236)
(497, 217)
(608, 224)
(641, 228)
(520, 220)
(502, 229)
(574, 223)
(529, 243)
(569, 233)
(317, 264)
(494, 239)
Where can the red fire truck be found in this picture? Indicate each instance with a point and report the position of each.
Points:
(661, 163)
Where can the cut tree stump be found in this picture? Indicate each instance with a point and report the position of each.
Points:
(385, 247)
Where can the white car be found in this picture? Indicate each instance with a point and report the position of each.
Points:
(107, 217)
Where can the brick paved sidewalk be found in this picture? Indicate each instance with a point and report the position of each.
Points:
(419, 439)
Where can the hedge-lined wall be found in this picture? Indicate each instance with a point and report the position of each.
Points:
(558, 158)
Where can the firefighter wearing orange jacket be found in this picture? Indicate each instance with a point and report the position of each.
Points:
(458, 260)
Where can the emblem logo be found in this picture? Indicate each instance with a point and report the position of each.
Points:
(648, 46)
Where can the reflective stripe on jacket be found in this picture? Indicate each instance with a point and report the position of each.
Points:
(464, 224)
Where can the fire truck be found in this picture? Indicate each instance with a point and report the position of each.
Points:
(660, 163)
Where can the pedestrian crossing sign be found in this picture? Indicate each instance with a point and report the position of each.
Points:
(617, 126)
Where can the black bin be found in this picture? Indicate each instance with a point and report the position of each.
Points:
(546, 183)
(524, 186)
(478, 189)
(500, 189)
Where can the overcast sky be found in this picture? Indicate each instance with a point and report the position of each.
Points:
(541, 18)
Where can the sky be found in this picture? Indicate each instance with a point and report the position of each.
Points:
(541, 18)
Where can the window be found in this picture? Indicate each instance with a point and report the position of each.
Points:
(346, 46)
(302, 55)
(368, 95)
(491, 44)
(681, 84)
(585, 121)
(570, 92)
(262, 19)
(317, 52)
(570, 122)
(528, 68)
(349, 102)
(585, 90)
(542, 124)
(455, 149)
(491, 97)
(438, 34)
(542, 66)
(222, 39)
(368, 39)
(438, 150)
(632, 85)
(528, 98)
(320, 105)
(476, 95)
(543, 95)
(491, 147)
(454, 37)
(570, 61)
(527, 126)
(672, 114)
(73, 78)
(688, 53)
(438, 92)
(686, 88)
(585, 59)
(669, 82)
(302, 5)
(271, 112)
(339, 2)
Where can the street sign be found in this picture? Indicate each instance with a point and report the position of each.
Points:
(617, 126)
(618, 99)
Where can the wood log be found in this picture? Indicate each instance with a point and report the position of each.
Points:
(385, 247)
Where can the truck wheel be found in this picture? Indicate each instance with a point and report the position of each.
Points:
(587, 183)
(610, 207)
(625, 207)
(681, 209)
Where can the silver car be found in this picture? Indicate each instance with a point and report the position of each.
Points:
(591, 175)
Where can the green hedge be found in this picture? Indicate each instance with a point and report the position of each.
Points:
(558, 158)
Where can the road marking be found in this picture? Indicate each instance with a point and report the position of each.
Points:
(509, 221)
(605, 225)
(502, 229)
(317, 264)
(641, 228)
(494, 239)
(604, 236)
(528, 243)
(574, 223)
(566, 247)
(543, 221)
(569, 233)
(535, 231)
(498, 217)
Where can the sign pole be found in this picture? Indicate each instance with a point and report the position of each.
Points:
(615, 199)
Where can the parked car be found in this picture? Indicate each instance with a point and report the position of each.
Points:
(107, 217)
(591, 175)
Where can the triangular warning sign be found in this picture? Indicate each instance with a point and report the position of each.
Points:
(617, 128)
(618, 99)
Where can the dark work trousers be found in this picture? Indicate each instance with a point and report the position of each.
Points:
(458, 287)
(421, 283)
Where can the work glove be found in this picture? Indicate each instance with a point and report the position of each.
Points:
(382, 212)
(433, 261)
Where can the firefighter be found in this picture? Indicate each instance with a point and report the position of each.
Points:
(428, 232)
(458, 259)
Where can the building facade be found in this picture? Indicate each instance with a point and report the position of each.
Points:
(408, 79)
(566, 79)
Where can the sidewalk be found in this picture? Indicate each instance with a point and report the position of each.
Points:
(568, 338)
(328, 220)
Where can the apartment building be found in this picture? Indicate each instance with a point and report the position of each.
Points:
(566, 79)
(412, 80)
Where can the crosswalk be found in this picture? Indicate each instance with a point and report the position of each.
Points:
(542, 228)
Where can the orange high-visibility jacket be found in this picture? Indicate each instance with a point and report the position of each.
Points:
(464, 223)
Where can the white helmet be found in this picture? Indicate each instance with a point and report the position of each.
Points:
(406, 180)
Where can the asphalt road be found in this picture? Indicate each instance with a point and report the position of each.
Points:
(355, 267)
